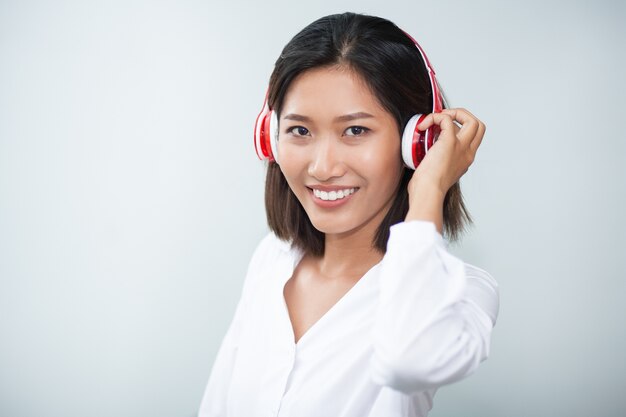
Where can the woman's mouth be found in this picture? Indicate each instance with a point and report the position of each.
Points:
(333, 195)
(329, 198)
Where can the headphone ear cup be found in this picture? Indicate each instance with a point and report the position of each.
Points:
(273, 135)
(266, 135)
(260, 144)
(414, 142)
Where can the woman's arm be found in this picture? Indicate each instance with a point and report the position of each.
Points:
(435, 314)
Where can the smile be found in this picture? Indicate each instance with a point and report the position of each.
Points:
(333, 195)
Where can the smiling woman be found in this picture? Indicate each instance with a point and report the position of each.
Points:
(352, 305)
(345, 141)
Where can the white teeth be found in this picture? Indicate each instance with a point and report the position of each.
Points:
(333, 195)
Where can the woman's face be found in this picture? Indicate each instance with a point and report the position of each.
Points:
(339, 151)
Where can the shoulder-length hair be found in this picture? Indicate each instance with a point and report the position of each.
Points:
(389, 62)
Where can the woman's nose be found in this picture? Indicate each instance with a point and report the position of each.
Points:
(326, 161)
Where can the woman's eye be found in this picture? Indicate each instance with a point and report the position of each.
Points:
(356, 130)
(298, 131)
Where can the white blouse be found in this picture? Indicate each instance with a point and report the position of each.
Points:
(419, 319)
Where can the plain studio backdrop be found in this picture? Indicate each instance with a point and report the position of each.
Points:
(131, 198)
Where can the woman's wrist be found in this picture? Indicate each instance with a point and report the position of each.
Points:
(426, 204)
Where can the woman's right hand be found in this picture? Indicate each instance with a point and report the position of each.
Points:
(445, 162)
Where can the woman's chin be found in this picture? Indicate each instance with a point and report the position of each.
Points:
(329, 227)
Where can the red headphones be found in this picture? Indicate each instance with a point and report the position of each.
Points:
(415, 143)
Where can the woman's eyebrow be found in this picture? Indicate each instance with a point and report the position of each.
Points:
(296, 117)
(353, 116)
(344, 118)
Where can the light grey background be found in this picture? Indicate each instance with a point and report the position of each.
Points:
(131, 198)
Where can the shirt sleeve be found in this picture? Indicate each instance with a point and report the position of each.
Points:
(435, 312)
(215, 396)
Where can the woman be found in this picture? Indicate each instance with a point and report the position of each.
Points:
(352, 306)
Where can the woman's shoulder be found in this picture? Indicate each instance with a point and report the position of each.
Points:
(267, 255)
(268, 251)
(271, 245)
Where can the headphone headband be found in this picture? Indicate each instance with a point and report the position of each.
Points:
(415, 143)
(434, 85)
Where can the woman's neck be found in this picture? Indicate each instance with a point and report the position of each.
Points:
(348, 256)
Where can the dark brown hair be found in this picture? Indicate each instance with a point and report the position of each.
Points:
(389, 62)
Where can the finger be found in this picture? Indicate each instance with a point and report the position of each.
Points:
(479, 137)
(468, 122)
(472, 129)
(445, 123)
(459, 110)
(455, 114)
